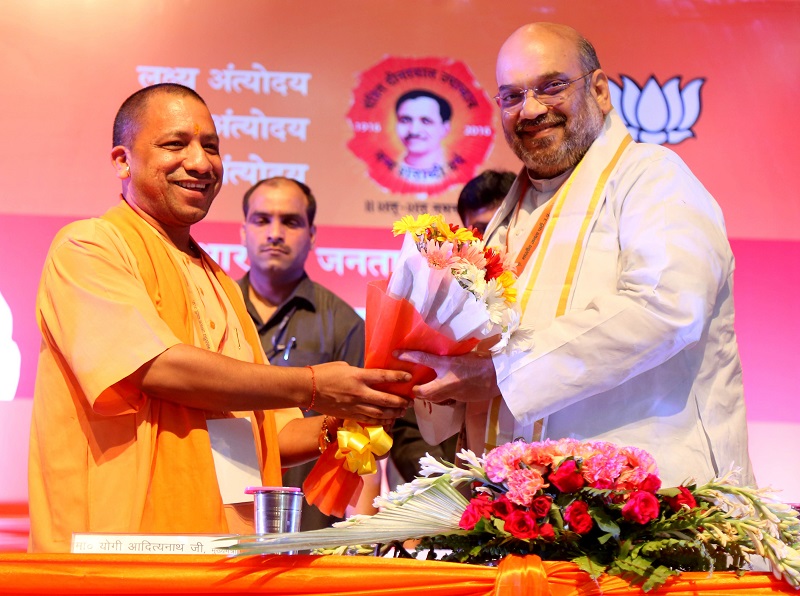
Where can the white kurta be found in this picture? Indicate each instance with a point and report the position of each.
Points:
(645, 353)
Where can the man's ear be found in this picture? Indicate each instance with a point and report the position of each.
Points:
(119, 159)
(313, 233)
(599, 88)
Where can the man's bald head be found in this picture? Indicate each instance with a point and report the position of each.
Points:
(540, 36)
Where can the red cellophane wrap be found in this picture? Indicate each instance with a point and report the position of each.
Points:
(392, 324)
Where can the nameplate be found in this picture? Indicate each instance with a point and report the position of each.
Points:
(152, 544)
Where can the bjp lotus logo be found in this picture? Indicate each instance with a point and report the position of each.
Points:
(658, 114)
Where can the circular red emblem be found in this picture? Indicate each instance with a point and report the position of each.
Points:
(420, 125)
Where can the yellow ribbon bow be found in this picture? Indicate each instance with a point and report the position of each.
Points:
(358, 446)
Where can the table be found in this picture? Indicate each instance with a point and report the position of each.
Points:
(24, 574)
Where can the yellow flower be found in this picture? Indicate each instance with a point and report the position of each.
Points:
(507, 279)
(463, 235)
(415, 226)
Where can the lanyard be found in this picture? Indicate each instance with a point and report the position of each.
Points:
(535, 235)
(286, 348)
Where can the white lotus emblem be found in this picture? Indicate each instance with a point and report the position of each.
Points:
(658, 114)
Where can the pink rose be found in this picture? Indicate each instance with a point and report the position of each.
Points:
(641, 508)
(502, 507)
(522, 524)
(577, 516)
(682, 499)
(541, 506)
(567, 478)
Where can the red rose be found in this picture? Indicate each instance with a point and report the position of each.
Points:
(567, 478)
(641, 508)
(682, 499)
(522, 524)
(577, 516)
(483, 504)
(469, 518)
(651, 484)
(541, 506)
(478, 507)
(546, 532)
(502, 507)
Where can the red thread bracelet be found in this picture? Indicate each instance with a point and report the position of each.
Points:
(313, 389)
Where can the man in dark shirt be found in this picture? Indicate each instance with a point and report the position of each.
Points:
(300, 322)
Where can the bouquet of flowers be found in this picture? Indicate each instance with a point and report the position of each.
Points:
(447, 292)
(596, 504)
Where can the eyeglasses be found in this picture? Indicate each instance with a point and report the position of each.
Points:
(550, 94)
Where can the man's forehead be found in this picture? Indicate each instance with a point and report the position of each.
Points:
(534, 53)
(420, 104)
(179, 111)
(284, 191)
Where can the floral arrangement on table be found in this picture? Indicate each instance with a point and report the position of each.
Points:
(447, 292)
(596, 504)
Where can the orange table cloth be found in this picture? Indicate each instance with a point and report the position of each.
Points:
(23, 574)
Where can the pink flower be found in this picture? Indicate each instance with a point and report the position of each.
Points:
(640, 464)
(682, 499)
(603, 466)
(567, 478)
(641, 507)
(523, 485)
(522, 524)
(547, 451)
(577, 516)
(471, 253)
(502, 461)
(439, 256)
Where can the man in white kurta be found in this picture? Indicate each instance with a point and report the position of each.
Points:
(627, 288)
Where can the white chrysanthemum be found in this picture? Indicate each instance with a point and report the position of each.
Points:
(495, 301)
(471, 278)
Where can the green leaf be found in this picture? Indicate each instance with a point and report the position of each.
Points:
(590, 566)
(604, 521)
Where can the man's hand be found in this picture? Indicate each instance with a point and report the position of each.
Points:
(470, 377)
(346, 391)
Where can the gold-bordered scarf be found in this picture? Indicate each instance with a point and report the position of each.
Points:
(174, 437)
(559, 254)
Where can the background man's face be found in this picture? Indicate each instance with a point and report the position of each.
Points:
(276, 232)
(479, 218)
(420, 126)
(174, 161)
